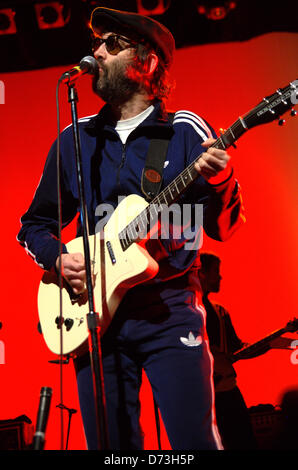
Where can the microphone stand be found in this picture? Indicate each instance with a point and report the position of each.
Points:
(70, 411)
(92, 316)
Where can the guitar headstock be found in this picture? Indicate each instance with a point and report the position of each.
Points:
(292, 325)
(273, 107)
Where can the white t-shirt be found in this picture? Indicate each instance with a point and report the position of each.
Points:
(125, 127)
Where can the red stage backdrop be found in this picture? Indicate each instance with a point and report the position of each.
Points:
(259, 264)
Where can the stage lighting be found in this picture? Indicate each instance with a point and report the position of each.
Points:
(152, 7)
(215, 10)
(7, 21)
(51, 15)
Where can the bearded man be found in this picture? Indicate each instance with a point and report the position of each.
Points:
(159, 325)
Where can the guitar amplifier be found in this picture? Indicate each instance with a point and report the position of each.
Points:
(266, 422)
(16, 434)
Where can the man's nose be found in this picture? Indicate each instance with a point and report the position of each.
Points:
(100, 51)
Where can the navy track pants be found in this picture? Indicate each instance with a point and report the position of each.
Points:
(170, 344)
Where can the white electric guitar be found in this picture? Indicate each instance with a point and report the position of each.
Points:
(119, 256)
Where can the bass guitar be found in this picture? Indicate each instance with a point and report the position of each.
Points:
(224, 373)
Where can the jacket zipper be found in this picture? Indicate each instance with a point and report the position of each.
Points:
(121, 163)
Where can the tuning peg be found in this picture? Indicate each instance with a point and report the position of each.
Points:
(281, 122)
(293, 112)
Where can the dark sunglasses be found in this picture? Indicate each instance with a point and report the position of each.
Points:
(114, 43)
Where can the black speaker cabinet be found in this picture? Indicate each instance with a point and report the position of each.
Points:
(16, 434)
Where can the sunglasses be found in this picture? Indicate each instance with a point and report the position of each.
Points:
(114, 43)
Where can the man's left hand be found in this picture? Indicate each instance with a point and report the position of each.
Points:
(213, 161)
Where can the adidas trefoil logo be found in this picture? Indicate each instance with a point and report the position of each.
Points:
(191, 340)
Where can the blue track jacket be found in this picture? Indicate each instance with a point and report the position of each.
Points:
(111, 169)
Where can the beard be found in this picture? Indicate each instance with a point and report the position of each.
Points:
(112, 84)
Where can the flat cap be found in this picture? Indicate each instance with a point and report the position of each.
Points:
(144, 27)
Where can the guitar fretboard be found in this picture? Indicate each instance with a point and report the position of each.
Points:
(142, 223)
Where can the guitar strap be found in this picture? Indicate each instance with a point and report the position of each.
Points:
(154, 165)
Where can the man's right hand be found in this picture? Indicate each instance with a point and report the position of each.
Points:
(73, 270)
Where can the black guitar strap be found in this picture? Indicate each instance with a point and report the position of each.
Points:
(154, 165)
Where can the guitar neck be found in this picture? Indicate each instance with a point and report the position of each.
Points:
(255, 347)
(173, 191)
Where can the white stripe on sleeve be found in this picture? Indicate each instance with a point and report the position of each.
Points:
(196, 121)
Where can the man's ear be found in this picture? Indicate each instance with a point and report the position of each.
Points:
(151, 63)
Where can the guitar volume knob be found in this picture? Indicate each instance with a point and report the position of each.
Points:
(68, 323)
(59, 322)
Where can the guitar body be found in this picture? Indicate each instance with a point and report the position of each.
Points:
(114, 272)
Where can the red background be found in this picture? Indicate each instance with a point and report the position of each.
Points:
(259, 264)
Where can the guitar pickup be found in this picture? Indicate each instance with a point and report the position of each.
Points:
(111, 252)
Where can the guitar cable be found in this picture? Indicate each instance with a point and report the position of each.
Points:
(61, 406)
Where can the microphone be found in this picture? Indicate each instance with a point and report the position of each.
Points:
(42, 418)
(87, 65)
